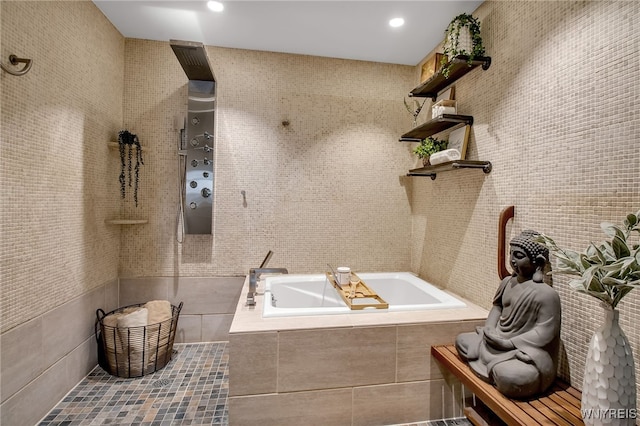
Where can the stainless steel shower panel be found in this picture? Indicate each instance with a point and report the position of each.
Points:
(199, 146)
(197, 143)
(193, 58)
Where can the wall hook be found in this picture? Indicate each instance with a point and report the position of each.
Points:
(14, 60)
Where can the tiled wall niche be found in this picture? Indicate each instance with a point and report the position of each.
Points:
(557, 115)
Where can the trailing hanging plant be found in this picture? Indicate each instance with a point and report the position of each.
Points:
(452, 46)
(608, 270)
(128, 141)
(416, 109)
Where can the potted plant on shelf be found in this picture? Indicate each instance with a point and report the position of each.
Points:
(607, 271)
(428, 146)
(462, 37)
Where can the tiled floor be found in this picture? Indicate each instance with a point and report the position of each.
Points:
(191, 390)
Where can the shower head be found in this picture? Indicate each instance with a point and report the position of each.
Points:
(193, 58)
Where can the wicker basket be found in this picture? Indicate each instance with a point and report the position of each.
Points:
(135, 351)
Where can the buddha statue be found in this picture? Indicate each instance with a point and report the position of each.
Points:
(517, 349)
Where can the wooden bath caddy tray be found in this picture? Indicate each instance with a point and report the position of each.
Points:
(364, 296)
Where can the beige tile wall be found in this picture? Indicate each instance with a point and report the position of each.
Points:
(59, 260)
(326, 189)
(557, 115)
(56, 167)
(44, 358)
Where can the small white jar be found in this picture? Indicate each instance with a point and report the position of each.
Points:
(343, 275)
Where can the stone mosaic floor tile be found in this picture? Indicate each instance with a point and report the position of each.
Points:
(192, 389)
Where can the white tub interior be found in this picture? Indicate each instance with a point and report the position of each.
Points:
(301, 295)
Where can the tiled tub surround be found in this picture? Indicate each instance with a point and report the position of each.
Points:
(353, 369)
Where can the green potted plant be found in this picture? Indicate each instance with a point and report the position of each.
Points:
(462, 37)
(607, 271)
(428, 146)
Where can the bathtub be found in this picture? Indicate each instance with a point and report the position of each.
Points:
(301, 295)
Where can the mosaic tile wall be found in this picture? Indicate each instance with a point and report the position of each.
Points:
(557, 115)
(327, 188)
(59, 260)
(56, 168)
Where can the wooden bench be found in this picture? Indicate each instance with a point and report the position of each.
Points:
(558, 406)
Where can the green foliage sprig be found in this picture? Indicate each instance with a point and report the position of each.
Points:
(452, 37)
(129, 140)
(429, 146)
(608, 270)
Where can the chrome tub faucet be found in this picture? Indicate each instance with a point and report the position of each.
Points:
(254, 276)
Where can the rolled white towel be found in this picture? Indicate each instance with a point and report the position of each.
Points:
(444, 156)
(137, 318)
(159, 310)
(112, 336)
(132, 332)
(158, 331)
(111, 320)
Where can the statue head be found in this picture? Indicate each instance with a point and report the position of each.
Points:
(528, 257)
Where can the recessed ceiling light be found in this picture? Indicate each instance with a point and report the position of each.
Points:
(216, 6)
(396, 22)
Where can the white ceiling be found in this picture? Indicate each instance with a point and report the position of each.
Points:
(339, 29)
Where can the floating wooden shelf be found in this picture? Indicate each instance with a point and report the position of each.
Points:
(432, 171)
(459, 67)
(116, 145)
(126, 221)
(437, 125)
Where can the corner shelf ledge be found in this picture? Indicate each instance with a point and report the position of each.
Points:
(432, 171)
(116, 145)
(126, 221)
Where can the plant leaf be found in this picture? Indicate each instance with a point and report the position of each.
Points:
(598, 256)
(614, 281)
(620, 247)
(611, 229)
